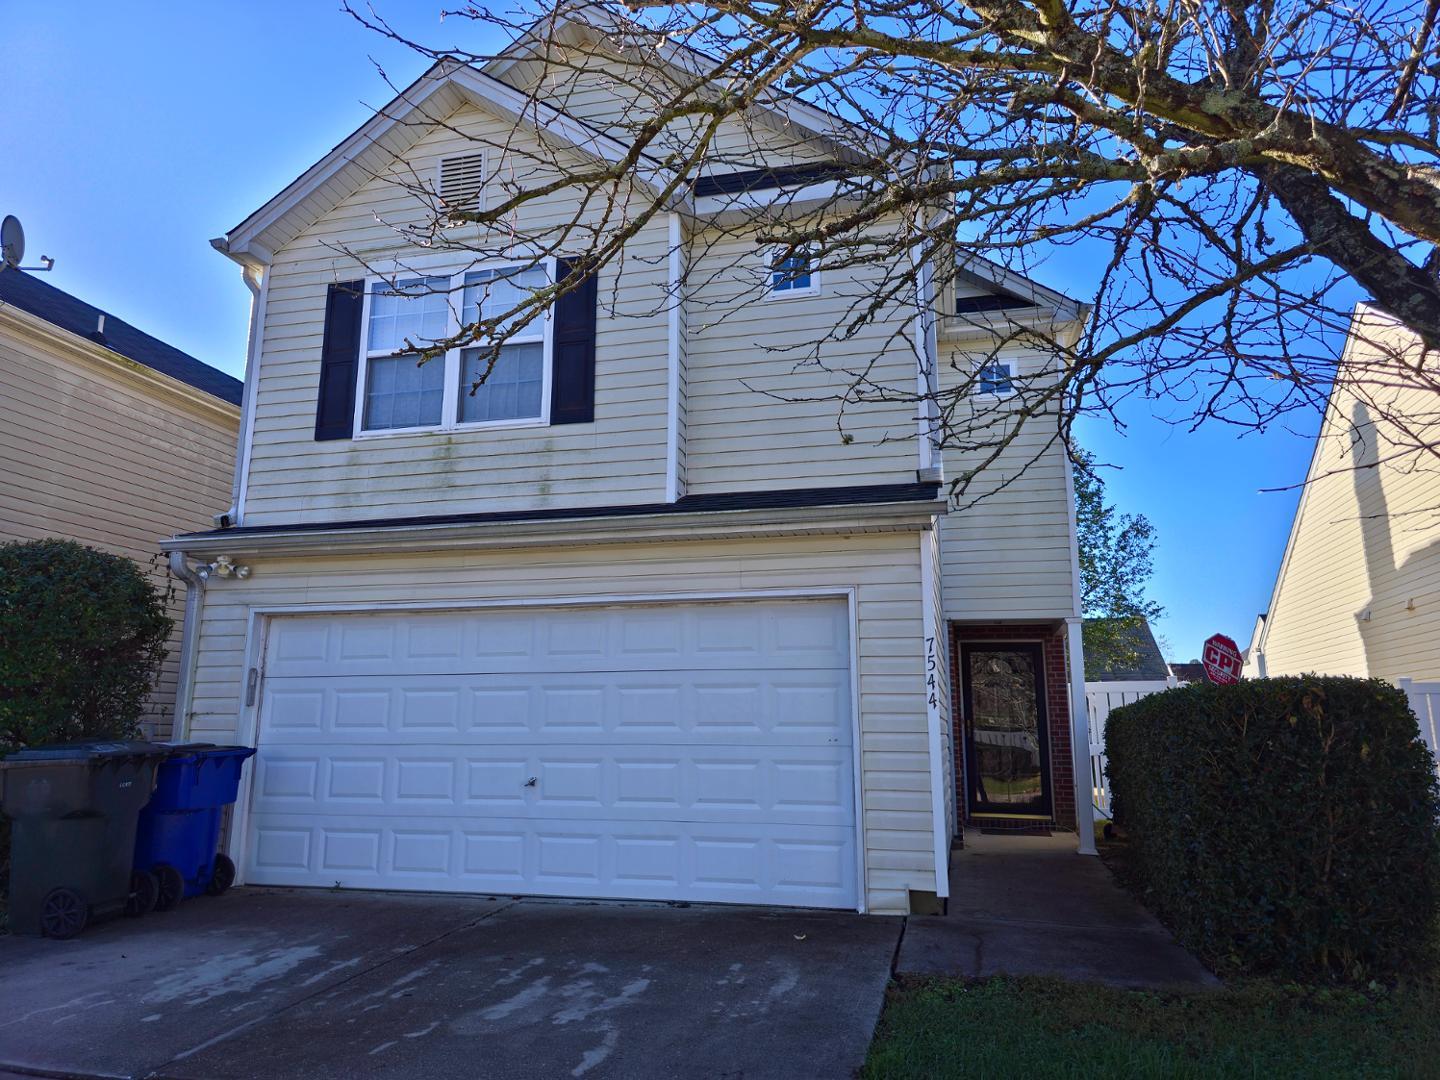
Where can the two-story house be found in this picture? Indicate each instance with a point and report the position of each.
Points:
(628, 620)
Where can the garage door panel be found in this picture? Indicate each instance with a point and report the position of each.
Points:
(794, 707)
(530, 641)
(566, 857)
(660, 751)
(795, 785)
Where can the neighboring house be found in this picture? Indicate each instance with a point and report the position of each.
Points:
(1358, 590)
(636, 627)
(1136, 657)
(108, 437)
(1192, 671)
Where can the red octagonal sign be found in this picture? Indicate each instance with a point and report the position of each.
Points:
(1221, 658)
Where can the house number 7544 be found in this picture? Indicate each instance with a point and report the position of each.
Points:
(932, 666)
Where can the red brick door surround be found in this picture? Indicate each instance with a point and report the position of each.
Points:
(1051, 638)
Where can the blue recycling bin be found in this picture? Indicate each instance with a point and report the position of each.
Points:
(178, 837)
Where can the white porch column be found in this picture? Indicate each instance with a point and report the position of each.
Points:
(1080, 739)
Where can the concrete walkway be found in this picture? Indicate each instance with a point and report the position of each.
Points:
(1029, 905)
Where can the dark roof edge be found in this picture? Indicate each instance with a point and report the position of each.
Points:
(787, 499)
(733, 183)
(997, 301)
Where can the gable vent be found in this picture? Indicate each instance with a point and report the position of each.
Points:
(462, 183)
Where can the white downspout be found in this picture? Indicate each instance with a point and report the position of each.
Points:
(674, 358)
(1079, 708)
(189, 636)
(1080, 740)
(258, 293)
(935, 716)
(928, 461)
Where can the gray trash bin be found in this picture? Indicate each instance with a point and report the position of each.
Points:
(73, 809)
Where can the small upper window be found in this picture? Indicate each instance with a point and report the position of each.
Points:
(793, 273)
(996, 379)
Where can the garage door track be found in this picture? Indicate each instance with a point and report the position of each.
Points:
(274, 983)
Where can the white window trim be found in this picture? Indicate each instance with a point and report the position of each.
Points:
(1011, 369)
(450, 402)
(773, 256)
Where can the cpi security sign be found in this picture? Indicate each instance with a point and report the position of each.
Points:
(1221, 658)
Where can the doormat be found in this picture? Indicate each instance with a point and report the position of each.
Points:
(1026, 830)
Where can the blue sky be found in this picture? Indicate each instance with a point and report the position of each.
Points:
(136, 132)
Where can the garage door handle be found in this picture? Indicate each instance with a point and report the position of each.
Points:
(531, 782)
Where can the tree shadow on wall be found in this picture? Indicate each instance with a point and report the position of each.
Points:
(1400, 623)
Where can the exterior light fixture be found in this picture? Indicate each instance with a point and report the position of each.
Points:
(223, 566)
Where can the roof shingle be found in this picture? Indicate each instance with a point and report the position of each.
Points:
(1142, 660)
(59, 308)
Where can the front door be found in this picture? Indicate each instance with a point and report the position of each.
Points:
(1007, 742)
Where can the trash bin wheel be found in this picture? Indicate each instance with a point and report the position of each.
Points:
(222, 875)
(144, 892)
(63, 913)
(171, 887)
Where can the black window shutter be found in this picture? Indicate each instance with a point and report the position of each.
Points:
(339, 361)
(572, 382)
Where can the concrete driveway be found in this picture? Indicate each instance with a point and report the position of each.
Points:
(278, 983)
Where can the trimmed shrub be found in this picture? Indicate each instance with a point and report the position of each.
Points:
(1283, 827)
(82, 637)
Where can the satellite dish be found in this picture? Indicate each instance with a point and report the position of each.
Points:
(12, 242)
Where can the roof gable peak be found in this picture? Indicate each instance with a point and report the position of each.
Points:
(387, 135)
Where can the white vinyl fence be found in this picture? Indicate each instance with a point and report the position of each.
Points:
(1103, 697)
(1100, 699)
(1425, 704)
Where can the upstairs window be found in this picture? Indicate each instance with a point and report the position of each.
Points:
(793, 274)
(995, 379)
(513, 385)
(401, 392)
(407, 315)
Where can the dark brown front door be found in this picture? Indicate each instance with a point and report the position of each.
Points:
(1007, 742)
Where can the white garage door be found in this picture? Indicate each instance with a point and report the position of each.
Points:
(695, 751)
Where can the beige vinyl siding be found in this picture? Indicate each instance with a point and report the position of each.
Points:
(614, 96)
(883, 570)
(619, 458)
(91, 451)
(1005, 545)
(751, 418)
(1365, 542)
(759, 410)
(764, 408)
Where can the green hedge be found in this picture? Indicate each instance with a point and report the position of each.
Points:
(1284, 827)
(82, 638)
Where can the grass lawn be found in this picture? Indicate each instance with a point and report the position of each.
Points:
(1035, 1028)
